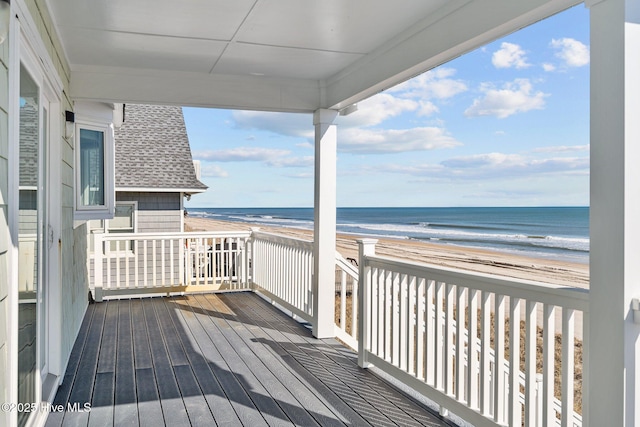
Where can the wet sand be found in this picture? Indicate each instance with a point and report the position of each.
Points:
(470, 259)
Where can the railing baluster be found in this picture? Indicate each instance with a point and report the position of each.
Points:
(375, 313)
(472, 350)
(420, 328)
(135, 249)
(460, 347)
(154, 260)
(499, 393)
(449, 342)
(343, 299)
(514, 363)
(171, 261)
(439, 362)
(354, 307)
(411, 312)
(486, 376)
(118, 278)
(568, 334)
(548, 364)
(530, 364)
(431, 339)
(162, 256)
(145, 264)
(402, 341)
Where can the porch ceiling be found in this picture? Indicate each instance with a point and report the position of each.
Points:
(284, 55)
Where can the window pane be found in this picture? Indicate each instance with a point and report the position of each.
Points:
(123, 219)
(92, 167)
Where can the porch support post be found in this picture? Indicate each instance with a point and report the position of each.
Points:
(614, 353)
(324, 231)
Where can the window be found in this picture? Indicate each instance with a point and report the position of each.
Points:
(92, 156)
(94, 162)
(123, 221)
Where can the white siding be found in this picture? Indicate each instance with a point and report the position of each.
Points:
(156, 211)
(4, 229)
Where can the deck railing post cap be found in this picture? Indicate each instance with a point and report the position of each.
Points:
(367, 241)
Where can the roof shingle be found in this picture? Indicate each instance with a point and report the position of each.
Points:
(152, 150)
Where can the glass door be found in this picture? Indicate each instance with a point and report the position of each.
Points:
(30, 238)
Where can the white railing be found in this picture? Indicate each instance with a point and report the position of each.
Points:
(404, 314)
(346, 301)
(408, 327)
(137, 263)
(283, 271)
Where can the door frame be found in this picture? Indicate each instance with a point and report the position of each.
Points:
(26, 47)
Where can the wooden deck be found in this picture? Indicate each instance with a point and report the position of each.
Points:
(219, 359)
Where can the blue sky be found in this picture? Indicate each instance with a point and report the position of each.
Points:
(505, 125)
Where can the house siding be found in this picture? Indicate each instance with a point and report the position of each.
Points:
(72, 241)
(4, 228)
(156, 211)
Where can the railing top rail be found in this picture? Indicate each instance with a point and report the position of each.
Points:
(174, 235)
(557, 295)
(285, 240)
(346, 265)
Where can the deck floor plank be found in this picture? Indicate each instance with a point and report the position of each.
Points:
(171, 402)
(225, 384)
(298, 412)
(64, 391)
(82, 389)
(149, 408)
(142, 354)
(313, 362)
(275, 365)
(126, 401)
(345, 369)
(264, 402)
(343, 411)
(226, 359)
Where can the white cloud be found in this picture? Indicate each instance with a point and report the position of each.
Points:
(213, 171)
(514, 97)
(288, 124)
(291, 162)
(510, 55)
(427, 108)
(562, 148)
(376, 109)
(241, 154)
(272, 157)
(434, 84)
(370, 141)
(492, 166)
(548, 67)
(572, 52)
(355, 131)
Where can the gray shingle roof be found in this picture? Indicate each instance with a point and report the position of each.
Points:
(152, 150)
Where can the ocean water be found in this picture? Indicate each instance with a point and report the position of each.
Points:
(544, 232)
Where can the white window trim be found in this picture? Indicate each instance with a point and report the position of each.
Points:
(107, 210)
(128, 252)
(105, 230)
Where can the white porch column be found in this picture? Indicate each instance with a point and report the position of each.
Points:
(614, 356)
(324, 231)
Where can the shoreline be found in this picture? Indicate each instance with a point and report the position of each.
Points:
(471, 259)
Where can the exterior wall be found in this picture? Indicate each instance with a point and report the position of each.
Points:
(4, 226)
(156, 211)
(72, 241)
(71, 300)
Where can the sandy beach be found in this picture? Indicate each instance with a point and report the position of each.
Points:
(472, 259)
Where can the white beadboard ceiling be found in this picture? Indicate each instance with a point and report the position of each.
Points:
(280, 55)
